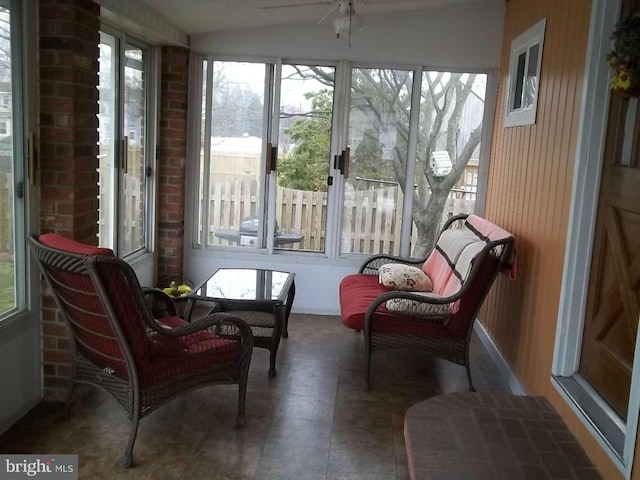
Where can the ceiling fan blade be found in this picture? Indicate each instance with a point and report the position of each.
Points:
(326, 15)
(290, 5)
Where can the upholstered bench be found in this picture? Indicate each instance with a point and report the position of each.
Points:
(491, 436)
(469, 254)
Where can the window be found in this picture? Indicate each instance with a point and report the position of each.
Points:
(334, 160)
(524, 76)
(12, 165)
(124, 144)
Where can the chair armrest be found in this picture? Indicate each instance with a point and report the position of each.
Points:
(373, 264)
(213, 320)
(222, 324)
(153, 297)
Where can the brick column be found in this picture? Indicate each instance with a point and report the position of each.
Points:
(172, 160)
(68, 52)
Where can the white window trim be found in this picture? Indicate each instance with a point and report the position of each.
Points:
(579, 246)
(331, 255)
(152, 73)
(521, 44)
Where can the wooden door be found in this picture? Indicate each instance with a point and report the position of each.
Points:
(611, 321)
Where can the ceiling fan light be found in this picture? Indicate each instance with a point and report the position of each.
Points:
(345, 23)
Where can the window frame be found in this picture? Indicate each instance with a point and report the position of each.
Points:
(150, 144)
(18, 125)
(616, 438)
(521, 45)
(331, 255)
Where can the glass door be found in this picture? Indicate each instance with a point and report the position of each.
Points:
(303, 157)
(233, 147)
(374, 164)
(107, 138)
(134, 164)
(448, 152)
(12, 162)
(124, 160)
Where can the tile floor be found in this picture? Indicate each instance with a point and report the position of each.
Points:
(313, 421)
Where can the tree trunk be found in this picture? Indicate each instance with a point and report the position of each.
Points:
(428, 219)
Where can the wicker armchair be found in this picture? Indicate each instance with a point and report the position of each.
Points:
(468, 256)
(120, 348)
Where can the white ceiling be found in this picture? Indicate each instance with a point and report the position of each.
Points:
(200, 16)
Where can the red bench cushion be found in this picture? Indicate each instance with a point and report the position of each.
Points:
(358, 291)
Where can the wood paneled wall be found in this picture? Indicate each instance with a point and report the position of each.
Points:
(529, 194)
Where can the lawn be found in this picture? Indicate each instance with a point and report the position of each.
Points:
(7, 294)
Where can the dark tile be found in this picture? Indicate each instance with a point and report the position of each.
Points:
(291, 432)
(292, 462)
(305, 406)
(312, 421)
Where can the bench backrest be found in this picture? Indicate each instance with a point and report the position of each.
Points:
(459, 247)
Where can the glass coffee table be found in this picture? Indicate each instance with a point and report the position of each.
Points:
(262, 298)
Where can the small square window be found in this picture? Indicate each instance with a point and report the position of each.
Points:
(524, 76)
(3, 128)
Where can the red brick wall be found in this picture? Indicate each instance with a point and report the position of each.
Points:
(68, 64)
(172, 160)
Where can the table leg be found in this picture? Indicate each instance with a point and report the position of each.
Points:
(279, 313)
(288, 305)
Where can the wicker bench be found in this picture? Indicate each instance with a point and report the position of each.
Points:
(469, 254)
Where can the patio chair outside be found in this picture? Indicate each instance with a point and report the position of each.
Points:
(118, 347)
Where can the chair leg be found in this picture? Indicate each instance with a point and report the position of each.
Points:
(67, 406)
(471, 387)
(272, 363)
(242, 395)
(127, 458)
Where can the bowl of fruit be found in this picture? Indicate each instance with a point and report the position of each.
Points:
(175, 290)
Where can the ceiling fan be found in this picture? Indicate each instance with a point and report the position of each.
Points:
(346, 21)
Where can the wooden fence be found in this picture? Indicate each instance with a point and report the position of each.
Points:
(371, 220)
(132, 204)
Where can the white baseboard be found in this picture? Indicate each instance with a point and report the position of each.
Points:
(496, 355)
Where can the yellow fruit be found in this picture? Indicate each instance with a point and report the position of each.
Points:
(184, 289)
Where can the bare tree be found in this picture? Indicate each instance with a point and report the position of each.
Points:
(379, 93)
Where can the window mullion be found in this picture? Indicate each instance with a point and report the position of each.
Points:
(339, 141)
(412, 145)
(119, 135)
(274, 85)
(206, 177)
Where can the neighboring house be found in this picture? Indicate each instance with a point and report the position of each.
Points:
(5, 109)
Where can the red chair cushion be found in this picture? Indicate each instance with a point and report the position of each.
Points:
(59, 242)
(358, 291)
(174, 356)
